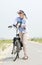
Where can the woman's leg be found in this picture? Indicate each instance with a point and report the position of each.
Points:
(25, 45)
(23, 37)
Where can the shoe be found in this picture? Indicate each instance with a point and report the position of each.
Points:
(25, 58)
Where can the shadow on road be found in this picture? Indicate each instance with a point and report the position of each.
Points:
(7, 59)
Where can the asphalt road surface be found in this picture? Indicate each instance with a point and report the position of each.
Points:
(34, 53)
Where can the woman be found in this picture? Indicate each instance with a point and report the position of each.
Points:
(22, 30)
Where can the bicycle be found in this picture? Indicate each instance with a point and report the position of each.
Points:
(17, 43)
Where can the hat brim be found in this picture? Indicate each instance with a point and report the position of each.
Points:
(19, 12)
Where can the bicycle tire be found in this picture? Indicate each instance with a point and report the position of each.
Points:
(17, 49)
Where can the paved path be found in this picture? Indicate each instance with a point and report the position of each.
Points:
(34, 53)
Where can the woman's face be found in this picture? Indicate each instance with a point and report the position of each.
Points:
(21, 15)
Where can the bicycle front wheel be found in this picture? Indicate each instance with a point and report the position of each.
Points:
(16, 55)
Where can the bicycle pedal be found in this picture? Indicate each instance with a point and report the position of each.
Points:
(20, 48)
(11, 52)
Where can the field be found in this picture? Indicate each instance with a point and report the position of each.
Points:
(37, 40)
(4, 44)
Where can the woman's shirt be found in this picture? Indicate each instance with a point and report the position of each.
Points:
(22, 22)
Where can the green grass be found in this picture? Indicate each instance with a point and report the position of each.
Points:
(4, 44)
(37, 40)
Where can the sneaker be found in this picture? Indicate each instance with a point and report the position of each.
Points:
(25, 58)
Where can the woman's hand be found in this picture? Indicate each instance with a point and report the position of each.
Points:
(23, 26)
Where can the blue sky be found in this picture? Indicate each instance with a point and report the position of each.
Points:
(8, 13)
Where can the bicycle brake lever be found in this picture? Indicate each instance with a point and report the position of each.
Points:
(14, 25)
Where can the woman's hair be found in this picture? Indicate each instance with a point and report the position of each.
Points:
(25, 16)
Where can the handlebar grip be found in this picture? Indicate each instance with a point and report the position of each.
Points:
(9, 26)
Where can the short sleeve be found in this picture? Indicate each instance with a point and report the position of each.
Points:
(18, 19)
(15, 21)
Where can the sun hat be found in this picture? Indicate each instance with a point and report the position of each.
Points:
(21, 11)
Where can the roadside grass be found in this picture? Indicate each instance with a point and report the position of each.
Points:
(37, 40)
(4, 44)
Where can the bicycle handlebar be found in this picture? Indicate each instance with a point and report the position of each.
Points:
(12, 26)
